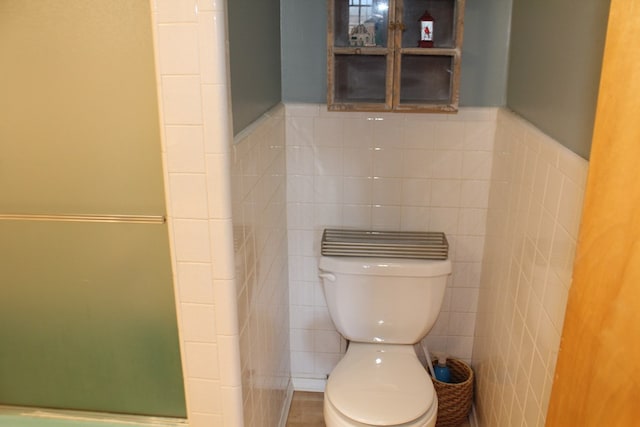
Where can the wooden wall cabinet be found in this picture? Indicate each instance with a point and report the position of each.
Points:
(375, 63)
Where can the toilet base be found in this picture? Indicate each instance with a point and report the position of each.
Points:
(333, 418)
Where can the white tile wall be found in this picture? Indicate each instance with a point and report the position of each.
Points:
(190, 45)
(402, 172)
(535, 204)
(260, 237)
(388, 172)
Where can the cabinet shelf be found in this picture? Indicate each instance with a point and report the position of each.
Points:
(434, 51)
(360, 51)
(375, 62)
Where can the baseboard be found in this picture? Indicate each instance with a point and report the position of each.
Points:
(473, 416)
(287, 405)
(309, 384)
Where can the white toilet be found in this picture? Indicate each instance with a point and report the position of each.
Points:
(382, 306)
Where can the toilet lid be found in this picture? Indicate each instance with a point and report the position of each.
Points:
(379, 387)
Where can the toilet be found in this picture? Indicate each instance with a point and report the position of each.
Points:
(382, 306)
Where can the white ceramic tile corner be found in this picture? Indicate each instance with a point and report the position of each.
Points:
(174, 11)
(197, 419)
(526, 280)
(218, 186)
(202, 360)
(193, 95)
(185, 149)
(212, 61)
(226, 315)
(204, 395)
(262, 255)
(195, 282)
(180, 49)
(229, 359)
(217, 119)
(182, 100)
(191, 241)
(189, 195)
(198, 322)
(232, 402)
(221, 237)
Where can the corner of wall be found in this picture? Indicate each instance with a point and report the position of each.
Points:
(535, 201)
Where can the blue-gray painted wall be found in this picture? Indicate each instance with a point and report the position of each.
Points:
(483, 73)
(543, 61)
(254, 53)
(484, 55)
(304, 50)
(554, 67)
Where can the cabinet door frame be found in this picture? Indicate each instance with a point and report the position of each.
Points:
(333, 51)
(453, 52)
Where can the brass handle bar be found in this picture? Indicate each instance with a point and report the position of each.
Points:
(138, 219)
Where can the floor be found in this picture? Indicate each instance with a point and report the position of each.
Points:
(306, 410)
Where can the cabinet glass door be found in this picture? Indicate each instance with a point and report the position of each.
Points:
(394, 55)
(361, 23)
(444, 23)
(427, 69)
(425, 79)
(360, 55)
(360, 78)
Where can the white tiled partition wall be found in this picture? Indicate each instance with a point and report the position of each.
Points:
(190, 39)
(534, 212)
(384, 172)
(230, 260)
(260, 238)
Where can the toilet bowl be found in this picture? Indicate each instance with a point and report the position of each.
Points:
(383, 307)
(380, 385)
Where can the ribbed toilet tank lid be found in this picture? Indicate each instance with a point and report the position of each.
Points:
(385, 266)
(380, 385)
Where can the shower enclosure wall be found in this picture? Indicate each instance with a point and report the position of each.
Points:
(87, 310)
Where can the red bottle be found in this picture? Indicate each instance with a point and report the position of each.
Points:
(426, 30)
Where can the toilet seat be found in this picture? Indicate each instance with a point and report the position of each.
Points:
(381, 385)
(333, 418)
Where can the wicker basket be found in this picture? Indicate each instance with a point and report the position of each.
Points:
(454, 398)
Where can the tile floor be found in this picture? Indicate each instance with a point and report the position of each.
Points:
(306, 410)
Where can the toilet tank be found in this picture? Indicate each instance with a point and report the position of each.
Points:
(395, 301)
